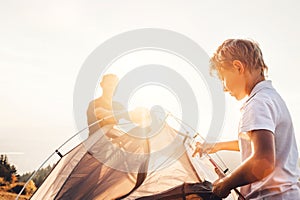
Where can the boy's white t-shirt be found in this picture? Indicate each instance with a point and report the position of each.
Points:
(265, 109)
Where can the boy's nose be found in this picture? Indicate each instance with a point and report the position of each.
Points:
(225, 88)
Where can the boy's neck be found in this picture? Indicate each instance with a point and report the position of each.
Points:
(253, 83)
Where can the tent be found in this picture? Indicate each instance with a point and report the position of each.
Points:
(114, 164)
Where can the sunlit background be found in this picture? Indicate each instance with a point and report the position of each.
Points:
(154, 94)
(43, 45)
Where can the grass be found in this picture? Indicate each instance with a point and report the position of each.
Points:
(5, 193)
(12, 196)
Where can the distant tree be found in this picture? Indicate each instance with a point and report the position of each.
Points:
(25, 177)
(2, 181)
(30, 188)
(1, 159)
(39, 177)
(14, 179)
(6, 170)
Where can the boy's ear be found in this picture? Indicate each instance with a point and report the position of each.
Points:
(239, 66)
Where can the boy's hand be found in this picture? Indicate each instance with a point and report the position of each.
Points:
(204, 149)
(220, 188)
(198, 149)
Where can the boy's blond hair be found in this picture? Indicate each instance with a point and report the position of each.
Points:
(246, 51)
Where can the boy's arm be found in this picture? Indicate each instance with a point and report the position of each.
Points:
(229, 145)
(213, 148)
(259, 165)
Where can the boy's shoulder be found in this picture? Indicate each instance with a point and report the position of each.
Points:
(262, 93)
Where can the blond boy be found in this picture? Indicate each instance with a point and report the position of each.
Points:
(266, 138)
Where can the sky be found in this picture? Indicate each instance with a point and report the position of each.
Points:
(44, 44)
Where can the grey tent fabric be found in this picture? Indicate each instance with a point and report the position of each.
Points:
(185, 191)
(107, 164)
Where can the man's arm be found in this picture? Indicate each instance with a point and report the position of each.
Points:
(259, 165)
(138, 115)
(95, 112)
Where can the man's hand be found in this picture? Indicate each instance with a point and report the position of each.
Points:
(140, 116)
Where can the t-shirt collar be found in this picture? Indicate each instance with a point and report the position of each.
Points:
(259, 86)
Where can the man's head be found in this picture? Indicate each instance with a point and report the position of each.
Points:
(239, 64)
(109, 83)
